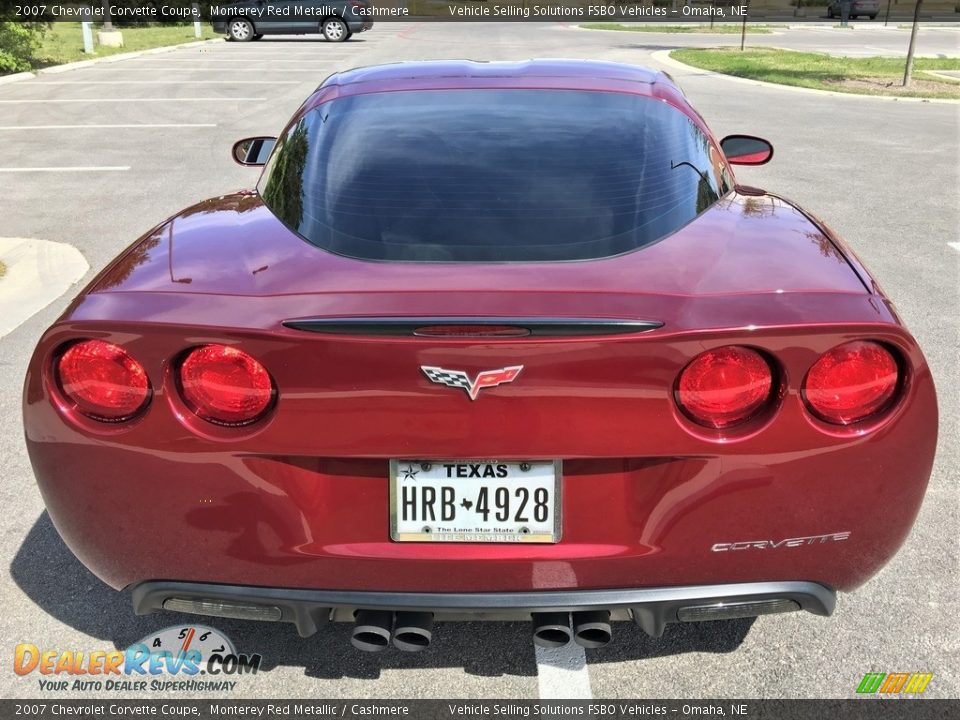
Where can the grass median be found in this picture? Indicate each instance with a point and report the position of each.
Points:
(861, 76)
(63, 42)
(718, 28)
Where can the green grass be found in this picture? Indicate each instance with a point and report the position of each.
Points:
(718, 28)
(864, 76)
(63, 42)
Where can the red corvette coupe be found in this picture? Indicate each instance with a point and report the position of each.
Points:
(488, 339)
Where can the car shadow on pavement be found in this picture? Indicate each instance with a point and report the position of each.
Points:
(52, 577)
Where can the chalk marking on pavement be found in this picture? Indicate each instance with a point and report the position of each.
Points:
(562, 673)
(101, 127)
(124, 100)
(67, 168)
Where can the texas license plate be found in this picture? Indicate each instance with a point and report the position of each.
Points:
(485, 501)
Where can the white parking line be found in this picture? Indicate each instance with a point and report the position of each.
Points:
(955, 246)
(304, 53)
(181, 68)
(166, 82)
(128, 100)
(65, 168)
(288, 56)
(105, 126)
(562, 673)
(245, 62)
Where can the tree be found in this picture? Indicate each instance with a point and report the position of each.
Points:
(18, 42)
(107, 20)
(908, 71)
(284, 189)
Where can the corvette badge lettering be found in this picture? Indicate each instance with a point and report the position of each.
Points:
(786, 542)
(460, 379)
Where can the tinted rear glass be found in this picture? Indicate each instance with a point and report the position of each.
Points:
(491, 175)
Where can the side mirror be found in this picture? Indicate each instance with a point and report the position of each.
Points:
(253, 151)
(746, 150)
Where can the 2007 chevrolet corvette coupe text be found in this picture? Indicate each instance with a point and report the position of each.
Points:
(489, 339)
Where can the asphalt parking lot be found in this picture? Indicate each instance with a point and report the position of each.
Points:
(94, 157)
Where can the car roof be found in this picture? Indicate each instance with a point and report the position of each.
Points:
(555, 74)
(598, 70)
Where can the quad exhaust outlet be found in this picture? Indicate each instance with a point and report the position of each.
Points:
(592, 629)
(413, 631)
(373, 630)
(556, 629)
(551, 629)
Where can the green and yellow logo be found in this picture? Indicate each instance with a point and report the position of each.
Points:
(900, 683)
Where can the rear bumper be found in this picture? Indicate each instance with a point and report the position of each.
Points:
(650, 608)
(303, 501)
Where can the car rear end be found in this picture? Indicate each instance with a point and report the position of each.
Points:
(869, 8)
(596, 479)
(704, 415)
(359, 15)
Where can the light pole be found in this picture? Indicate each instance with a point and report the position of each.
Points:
(107, 20)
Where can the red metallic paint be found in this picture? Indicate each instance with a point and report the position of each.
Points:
(299, 499)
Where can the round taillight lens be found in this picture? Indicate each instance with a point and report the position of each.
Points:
(224, 385)
(851, 382)
(725, 386)
(103, 381)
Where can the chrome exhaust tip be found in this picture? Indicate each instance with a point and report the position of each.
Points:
(551, 629)
(371, 631)
(592, 629)
(413, 631)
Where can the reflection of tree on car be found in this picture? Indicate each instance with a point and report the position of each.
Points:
(284, 189)
(336, 20)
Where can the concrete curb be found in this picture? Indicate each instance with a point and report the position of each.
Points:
(663, 56)
(38, 272)
(16, 77)
(119, 57)
(774, 30)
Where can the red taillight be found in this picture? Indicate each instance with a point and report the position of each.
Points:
(224, 385)
(725, 386)
(851, 382)
(103, 381)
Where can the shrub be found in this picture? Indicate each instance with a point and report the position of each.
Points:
(18, 42)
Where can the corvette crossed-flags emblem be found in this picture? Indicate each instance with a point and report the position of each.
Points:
(460, 379)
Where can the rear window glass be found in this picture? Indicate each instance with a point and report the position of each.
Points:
(491, 175)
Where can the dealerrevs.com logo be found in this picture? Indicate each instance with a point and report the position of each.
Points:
(894, 684)
(193, 658)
